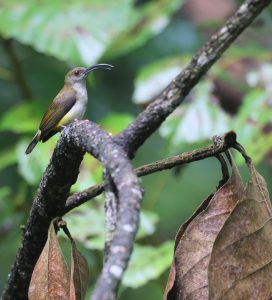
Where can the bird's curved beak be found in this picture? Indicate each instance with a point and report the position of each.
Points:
(97, 67)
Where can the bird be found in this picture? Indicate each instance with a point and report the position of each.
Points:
(69, 104)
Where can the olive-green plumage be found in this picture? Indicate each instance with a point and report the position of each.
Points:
(69, 104)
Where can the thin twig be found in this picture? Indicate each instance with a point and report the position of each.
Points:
(168, 163)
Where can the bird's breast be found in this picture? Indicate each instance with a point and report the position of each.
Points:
(76, 112)
(79, 108)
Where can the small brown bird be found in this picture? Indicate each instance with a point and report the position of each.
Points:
(69, 104)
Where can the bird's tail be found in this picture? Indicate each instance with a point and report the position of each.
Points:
(33, 143)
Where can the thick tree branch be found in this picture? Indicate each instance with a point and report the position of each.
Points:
(53, 191)
(173, 95)
(59, 176)
(79, 198)
(111, 212)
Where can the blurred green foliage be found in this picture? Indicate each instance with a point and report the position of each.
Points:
(148, 44)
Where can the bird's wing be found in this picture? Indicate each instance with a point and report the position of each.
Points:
(62, 103)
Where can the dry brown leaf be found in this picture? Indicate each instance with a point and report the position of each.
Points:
(188, 277)
(257, 189)
(79, 274)
(241, 261)
(50, 278)
(172, 273)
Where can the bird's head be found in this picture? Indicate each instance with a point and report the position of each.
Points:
(80, 74)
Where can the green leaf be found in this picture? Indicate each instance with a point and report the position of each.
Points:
(195, 122)
(148, 263)
(148, 222)
(90, 173)
(31, 167)
(254, 108)
(82, 31)
(153, 78)
(8, 158)
(115, 123)
(78, 31)
(147, 21)
(253, 50)
(4, 192)
(250, 123)
(87, 222)
(22, 118)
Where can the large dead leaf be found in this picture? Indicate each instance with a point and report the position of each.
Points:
(79, 274)
(50, 278)
(188, 277)
(172, 273)
(241, 261)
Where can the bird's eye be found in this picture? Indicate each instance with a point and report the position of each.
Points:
(77, 73)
